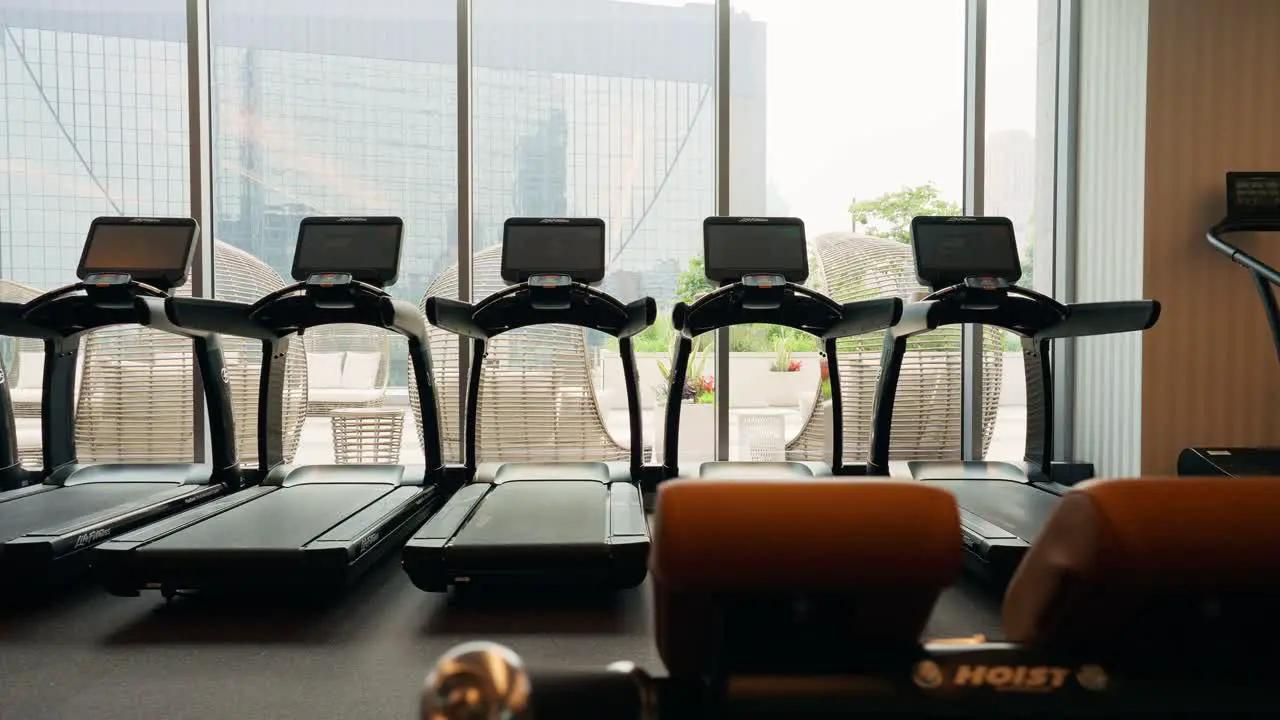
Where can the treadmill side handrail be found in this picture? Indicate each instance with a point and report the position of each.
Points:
(640, 315)
(222, 316)
(724, 304)
(866, 316)
(1239, 256)
(456, 316)
(1104, 318)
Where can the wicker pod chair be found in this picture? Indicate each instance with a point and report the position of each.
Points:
(927, 414)
(23, 358)
(136, 384)
(537, 400)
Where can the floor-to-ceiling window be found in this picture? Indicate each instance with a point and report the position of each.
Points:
(849, 115)
(93, 121)
(853, 120)
(604, 109)
(324, 108)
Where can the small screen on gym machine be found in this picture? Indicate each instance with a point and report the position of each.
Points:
(553, 246)
(950, 249)
(733, 247)
(366, 247)
(157, 251)
(1253, 196)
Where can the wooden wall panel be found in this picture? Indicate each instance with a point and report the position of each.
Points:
(1210, 374)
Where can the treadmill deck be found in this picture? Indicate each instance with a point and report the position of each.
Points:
(56, 509)
(1019, 509)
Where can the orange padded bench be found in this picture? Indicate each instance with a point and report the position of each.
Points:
(880, 552)
(1115, 553)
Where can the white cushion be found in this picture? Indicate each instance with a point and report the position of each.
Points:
(342, 395)
(30, 371)
(324, 370)
(30, 396)
(360, 370)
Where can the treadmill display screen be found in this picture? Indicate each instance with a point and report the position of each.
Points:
(553, 246)
(1253, 195)
(156, 251)
(368, 248)
(735, 247)
(950, 249)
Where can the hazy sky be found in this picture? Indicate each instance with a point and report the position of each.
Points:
(868, 95)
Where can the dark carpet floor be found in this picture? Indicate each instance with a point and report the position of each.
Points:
(87, 654)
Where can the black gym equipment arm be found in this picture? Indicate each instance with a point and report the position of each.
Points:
(865, 316)
(1265, 277)
(1214, 236)
(211, 360)
(640, 315)
(454, 316)
(1104, 318)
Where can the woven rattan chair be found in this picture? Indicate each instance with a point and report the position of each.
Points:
(241, 277)
(136, 384)
(537, 399)
(926, 422)
(349, 367)
(24, 361)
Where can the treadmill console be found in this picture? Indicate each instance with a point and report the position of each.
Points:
(120, 251)
(549, 255)
(764, 254)
(544, 248)
(735, 248)
(978, 253)
(363, 249)
(1253, 196)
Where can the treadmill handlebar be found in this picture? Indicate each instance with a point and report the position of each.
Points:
(513, 308)
(640, 315)
(798, 307)
(865, 316)
(407, 320)
(1028, 313)
(222, 316)
(1238, 256)
(1104, 318)
(454, 316)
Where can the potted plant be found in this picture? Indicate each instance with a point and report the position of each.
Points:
(785, 378)
(697, 413)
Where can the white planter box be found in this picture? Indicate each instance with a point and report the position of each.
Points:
(697, 430)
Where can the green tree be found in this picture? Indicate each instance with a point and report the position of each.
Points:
(693, 282)
(889, 216)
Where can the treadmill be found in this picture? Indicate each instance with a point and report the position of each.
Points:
(1253, 206)
(759, 264)
(541, 524)
(971, 264)
(128, 270)
(299, 527)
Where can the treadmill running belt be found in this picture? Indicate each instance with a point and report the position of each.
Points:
(56, 508)
(543, 512)
(287, 518)
(1015, 507)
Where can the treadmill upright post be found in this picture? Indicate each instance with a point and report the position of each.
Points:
(675, 396)
(271, 390)
(1038, 373)
(626, 353)
(57, 402)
